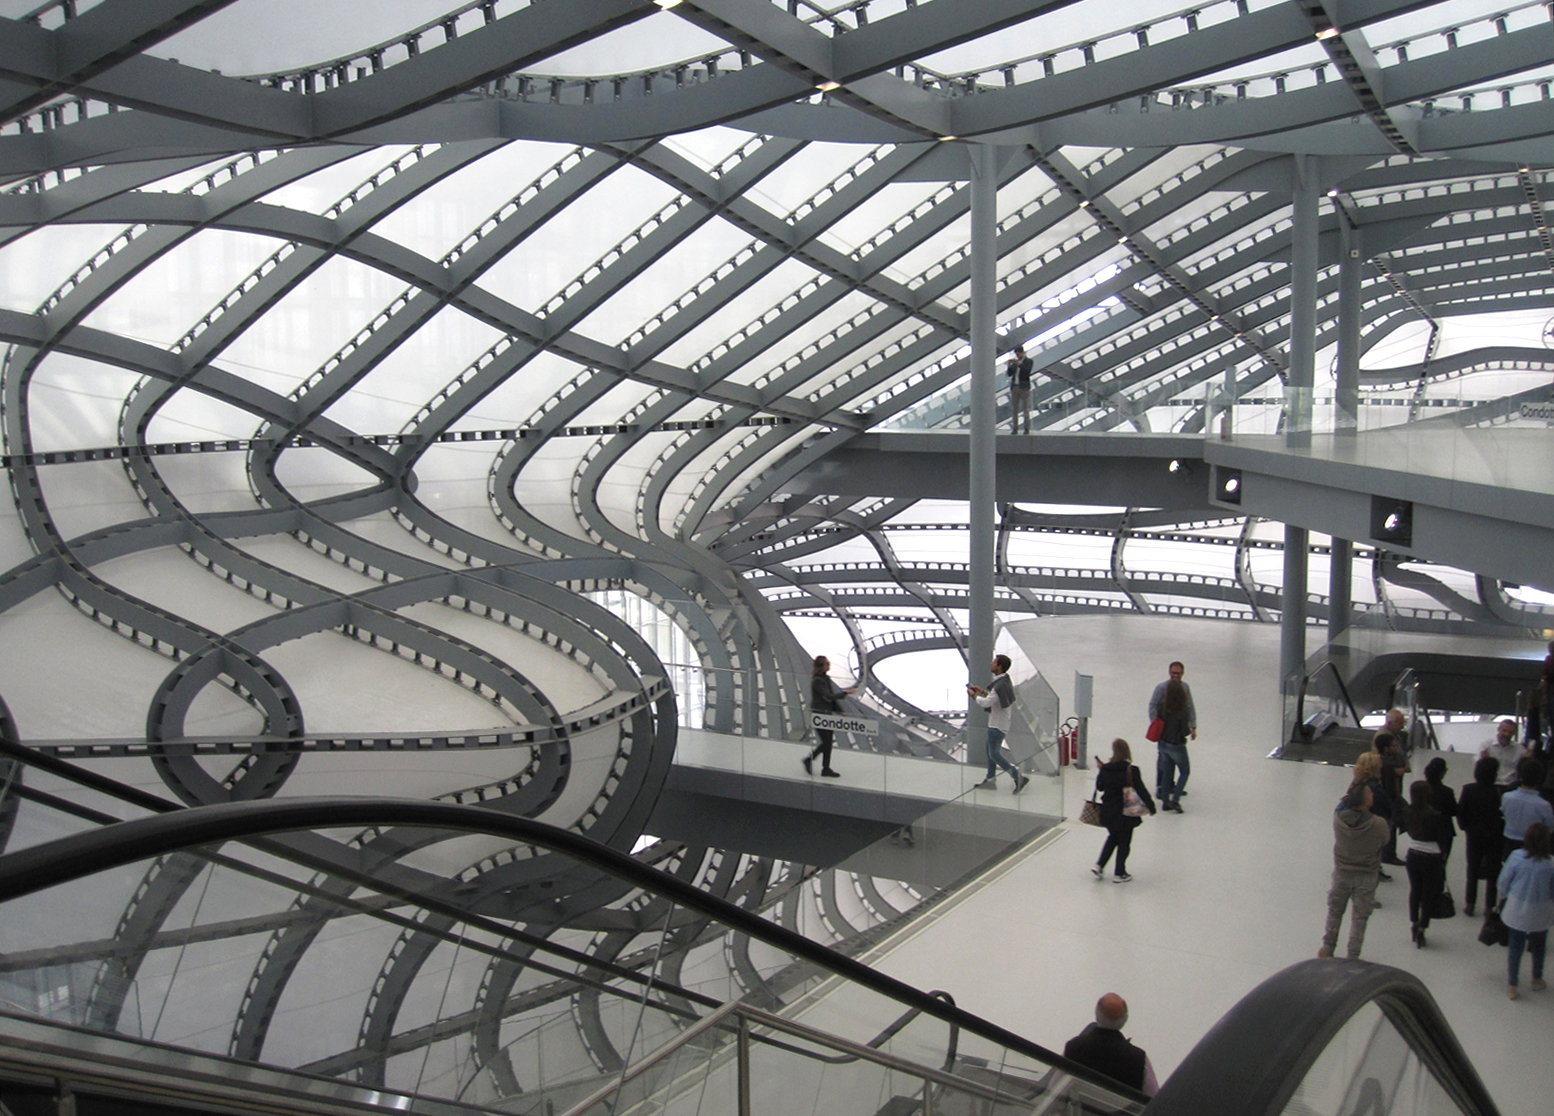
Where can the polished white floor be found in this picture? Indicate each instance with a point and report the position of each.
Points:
(1224, 895)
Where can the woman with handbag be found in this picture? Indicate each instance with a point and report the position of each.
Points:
(1124, 801)
(1527, 906)
(1426, 830)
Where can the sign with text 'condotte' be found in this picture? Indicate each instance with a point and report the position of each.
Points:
(842, 722)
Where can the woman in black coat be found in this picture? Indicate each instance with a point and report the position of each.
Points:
(1112, 779)
(1444, 802)
(1426, 826)
(823, 695)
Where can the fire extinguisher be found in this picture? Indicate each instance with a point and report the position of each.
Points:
(1068, 742)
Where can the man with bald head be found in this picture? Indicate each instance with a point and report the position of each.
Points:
(1101, 1047)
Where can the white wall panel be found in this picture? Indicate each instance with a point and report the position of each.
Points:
(88, 495)
(74, 403)
(65, 677)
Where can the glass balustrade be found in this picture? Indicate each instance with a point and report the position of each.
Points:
(457, 965)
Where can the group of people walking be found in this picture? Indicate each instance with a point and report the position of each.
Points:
(1119, 786)
(1507, 828)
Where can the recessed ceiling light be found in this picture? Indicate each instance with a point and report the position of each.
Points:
(947, 139)
(666, 4)
(1325, 33)
(825, 86)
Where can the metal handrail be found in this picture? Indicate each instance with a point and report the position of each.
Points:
(1342, 689)
(850, 1052)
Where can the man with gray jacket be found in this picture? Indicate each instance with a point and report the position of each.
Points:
(1359, 837)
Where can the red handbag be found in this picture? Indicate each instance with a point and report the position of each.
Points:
(1156, 727)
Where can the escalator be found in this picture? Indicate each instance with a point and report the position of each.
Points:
(699, 1006)
(1343, 1038)
(661, 997)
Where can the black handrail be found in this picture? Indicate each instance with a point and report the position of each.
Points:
(84, 854)
(1252, 1061)
(1342, 689)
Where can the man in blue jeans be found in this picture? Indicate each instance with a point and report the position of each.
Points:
(1172, 755)
(998, 699)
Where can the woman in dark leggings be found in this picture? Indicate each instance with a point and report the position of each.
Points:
(1478, 812)
(1110, 782)
(1426, 866)
(823, 694)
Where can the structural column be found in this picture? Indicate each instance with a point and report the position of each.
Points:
(1351, 259)
(1292, 625)
(1303, 302)
(1346, 419)
(1340, 576)
(984, 432)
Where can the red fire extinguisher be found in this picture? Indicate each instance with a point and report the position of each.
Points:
(1068, 742)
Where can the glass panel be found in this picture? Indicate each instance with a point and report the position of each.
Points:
(1370, 1067)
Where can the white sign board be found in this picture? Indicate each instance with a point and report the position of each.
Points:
(1538, 410)
(843, 722)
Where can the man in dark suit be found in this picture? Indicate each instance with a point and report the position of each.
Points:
(1102, 1047)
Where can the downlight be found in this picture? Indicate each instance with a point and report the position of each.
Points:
(1227, 485)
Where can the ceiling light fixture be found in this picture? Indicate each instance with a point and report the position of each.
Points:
(947, 139)
(1227, 485)
(666, 4)
(1327, 32)
(824, 87)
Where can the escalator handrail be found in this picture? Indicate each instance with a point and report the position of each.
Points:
(1342, 689)
(1251, 1061)
(84, 854)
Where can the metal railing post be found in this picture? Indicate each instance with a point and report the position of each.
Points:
(744, 1066)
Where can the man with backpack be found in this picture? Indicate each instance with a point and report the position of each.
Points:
(998, 699)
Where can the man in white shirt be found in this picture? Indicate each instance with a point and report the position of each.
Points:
(998, 699)
(1505, 749)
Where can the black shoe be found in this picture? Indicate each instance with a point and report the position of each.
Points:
(829, 774)
(809, 765)
(1382, 876)
(1468, 910)
(1021, 780)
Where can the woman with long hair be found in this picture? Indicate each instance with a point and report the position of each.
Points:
(1112, 781)
(1444, 802)
(1173, 767)
(1527, 884)
(823, 694)
(1426, 827)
